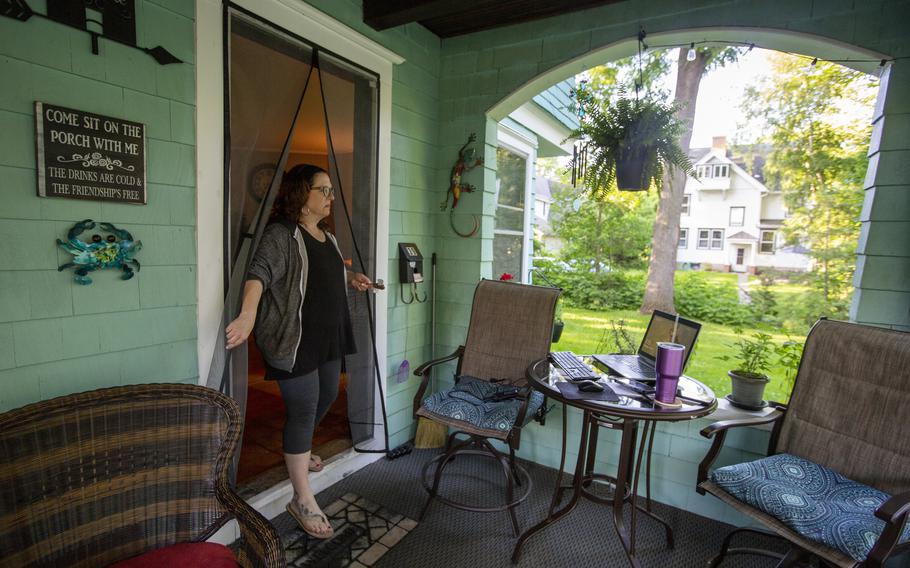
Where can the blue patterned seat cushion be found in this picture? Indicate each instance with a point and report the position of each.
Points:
(464, 402)
(816, 502)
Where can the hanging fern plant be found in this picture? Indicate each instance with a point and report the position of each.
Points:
(630, 143)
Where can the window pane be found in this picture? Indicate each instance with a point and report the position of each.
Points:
(509, 219)
(510, 177)
(717, 239)
(507, 255)
(737, 216)
(767, 241)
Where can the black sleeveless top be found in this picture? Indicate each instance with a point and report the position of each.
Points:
(327, 334)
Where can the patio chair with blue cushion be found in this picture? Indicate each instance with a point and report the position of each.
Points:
(836, 482)
(510, 328)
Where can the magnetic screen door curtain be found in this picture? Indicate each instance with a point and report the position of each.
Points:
(292, 103)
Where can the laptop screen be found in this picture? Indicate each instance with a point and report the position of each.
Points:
(661, 329)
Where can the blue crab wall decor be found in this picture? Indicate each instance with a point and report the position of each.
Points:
(115, 251)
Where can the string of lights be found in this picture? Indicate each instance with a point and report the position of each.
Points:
(691, 53)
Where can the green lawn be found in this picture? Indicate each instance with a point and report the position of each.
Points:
(584, 330)
(789, 297)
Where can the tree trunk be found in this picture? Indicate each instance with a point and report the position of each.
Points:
(665, 238)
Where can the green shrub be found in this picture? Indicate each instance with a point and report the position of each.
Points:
(706, 301)
(764, 302)
(589, 290)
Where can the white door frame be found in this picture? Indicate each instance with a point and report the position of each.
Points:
(740, 267)
(318, 28)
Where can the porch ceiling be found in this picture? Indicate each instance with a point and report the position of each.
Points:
(446, 18)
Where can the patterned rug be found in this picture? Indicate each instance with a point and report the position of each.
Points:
(364, 532)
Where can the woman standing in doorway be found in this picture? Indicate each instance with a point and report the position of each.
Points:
(296, 300)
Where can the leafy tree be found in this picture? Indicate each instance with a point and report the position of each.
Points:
(662, 267)
(611, 231)
(604, 81)
(819, 161)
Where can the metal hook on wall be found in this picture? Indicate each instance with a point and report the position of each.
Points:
(413, 297)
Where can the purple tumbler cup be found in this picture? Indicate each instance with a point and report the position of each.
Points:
(669, 367)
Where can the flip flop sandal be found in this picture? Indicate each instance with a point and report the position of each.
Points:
(316, 466)
(302, 517)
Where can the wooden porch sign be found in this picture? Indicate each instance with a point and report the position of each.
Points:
(82, 155)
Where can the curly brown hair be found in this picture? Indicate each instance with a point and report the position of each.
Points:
(294, 191)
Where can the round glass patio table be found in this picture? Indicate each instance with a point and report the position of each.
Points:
(631, 413)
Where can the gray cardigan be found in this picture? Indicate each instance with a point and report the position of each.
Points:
(281, 265)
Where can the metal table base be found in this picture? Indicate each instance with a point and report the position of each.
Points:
(627, 478)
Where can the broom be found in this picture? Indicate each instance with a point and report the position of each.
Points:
(431, 434)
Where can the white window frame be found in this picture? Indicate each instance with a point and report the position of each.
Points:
(762, 242)
(709, 171)
(719, 241)
(686, 204)
(742, 220)
(523, 146)
(683, 241)
(712, 242)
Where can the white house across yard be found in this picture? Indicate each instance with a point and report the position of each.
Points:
(731, 220)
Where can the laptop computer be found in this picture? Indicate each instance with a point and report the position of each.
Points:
(660, 328)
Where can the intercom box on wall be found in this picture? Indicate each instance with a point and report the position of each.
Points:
(410, 263)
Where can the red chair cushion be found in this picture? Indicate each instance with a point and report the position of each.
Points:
(183, 555)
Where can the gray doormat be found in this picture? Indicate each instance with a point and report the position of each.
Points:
(364, 532)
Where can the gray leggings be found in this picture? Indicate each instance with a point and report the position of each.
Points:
(307, 399)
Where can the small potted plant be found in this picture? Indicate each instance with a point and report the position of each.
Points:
(631, 142)
(558, 324)
(749, 378)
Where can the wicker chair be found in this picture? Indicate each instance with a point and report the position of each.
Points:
(94, 478)
(837, 454)
(511, 327)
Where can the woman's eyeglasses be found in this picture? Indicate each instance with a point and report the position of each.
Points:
(325, 190)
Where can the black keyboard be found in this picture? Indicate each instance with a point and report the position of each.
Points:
(572, 366)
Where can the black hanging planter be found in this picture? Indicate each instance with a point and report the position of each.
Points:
(557, 330)
(631, 174)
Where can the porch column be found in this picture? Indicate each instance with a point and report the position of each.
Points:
(882, 278)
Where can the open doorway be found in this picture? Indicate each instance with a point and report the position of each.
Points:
(269, 68)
